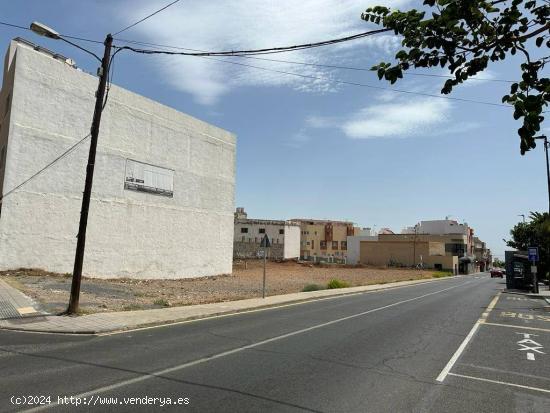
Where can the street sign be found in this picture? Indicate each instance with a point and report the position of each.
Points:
(265, 242)
(533, 254)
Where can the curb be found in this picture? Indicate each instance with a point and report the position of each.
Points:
(183, 319)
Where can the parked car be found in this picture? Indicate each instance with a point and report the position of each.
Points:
(497, 272)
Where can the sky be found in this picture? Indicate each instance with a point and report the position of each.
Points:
(314, 147)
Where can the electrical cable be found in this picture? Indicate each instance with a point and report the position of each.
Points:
(253, 52)
(360, 84)
(362, 69)
(147, 17)
(62, 35)
(67, 152)
(110, 75)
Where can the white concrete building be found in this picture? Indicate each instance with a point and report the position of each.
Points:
(283, 235)
(438, 227)
(163, 193)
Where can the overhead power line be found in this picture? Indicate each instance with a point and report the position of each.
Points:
(344, 82)
(64, 154)
(329, 66)
(270, 50)
(146, 17)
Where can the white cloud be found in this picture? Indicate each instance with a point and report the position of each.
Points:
(394, 118)
(238, 24)
(397, 120)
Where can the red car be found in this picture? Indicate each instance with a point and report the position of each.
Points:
(495, 272)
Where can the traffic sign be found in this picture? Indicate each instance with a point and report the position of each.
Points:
(265, 242)
(533, 254)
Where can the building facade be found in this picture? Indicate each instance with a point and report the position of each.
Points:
(459, 242)
(482, 255)
(163, 194)
(284, 237)
(407, 250)
(325, 240)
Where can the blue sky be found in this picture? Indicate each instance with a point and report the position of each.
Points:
(317, 148)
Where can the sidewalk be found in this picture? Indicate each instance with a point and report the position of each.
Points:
(15, 304)
(543, 293)
(119, 321)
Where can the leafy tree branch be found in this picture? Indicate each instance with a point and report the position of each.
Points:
(464, 36)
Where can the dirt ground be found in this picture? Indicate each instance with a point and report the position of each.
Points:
(99, 295)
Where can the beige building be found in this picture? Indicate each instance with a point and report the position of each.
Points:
(325, 240)
(409, 250)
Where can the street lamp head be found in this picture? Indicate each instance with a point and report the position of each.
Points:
(43, 30)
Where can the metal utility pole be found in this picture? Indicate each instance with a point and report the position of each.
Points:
(81, 242)
(547, 170)
(265, 244)
(414, 246)
(263, 284)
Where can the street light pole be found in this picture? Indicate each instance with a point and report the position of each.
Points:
(547, 170)
(81, 238)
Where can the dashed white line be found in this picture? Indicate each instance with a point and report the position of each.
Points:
(501, 382)
(465, 342)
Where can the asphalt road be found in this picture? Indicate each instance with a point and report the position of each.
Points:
(372, 352)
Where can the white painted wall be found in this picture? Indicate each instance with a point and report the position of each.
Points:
(130, 234)
(292, 241)
(438, 227)
(354, 247)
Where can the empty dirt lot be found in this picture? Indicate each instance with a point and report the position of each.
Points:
(51, 291)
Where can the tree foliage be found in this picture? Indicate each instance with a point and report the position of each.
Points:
(498, 263)
(464, 36)
(534, 233)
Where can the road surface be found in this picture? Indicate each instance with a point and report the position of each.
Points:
(451, 345)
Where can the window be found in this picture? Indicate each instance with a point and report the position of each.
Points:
(334, 245)
(244, 230)
(281, 232)
(152, 179)
(344, 245)
(312, 244)
(323, 245)
(307, 243)
(243, 239)
(277, 241)
(261, 230)
(249, 239)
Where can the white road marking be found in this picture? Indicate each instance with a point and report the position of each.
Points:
(516, 327)
(465, 342)
(160, 373)
(530, 356)
(257, 310)
(501, 382)
(26, 310)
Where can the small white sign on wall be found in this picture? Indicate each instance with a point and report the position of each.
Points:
(143, 177)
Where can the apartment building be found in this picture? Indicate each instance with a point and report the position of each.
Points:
(284, 237)
(459, 240)
(163, 194)
(325, 240)
(482, 255)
